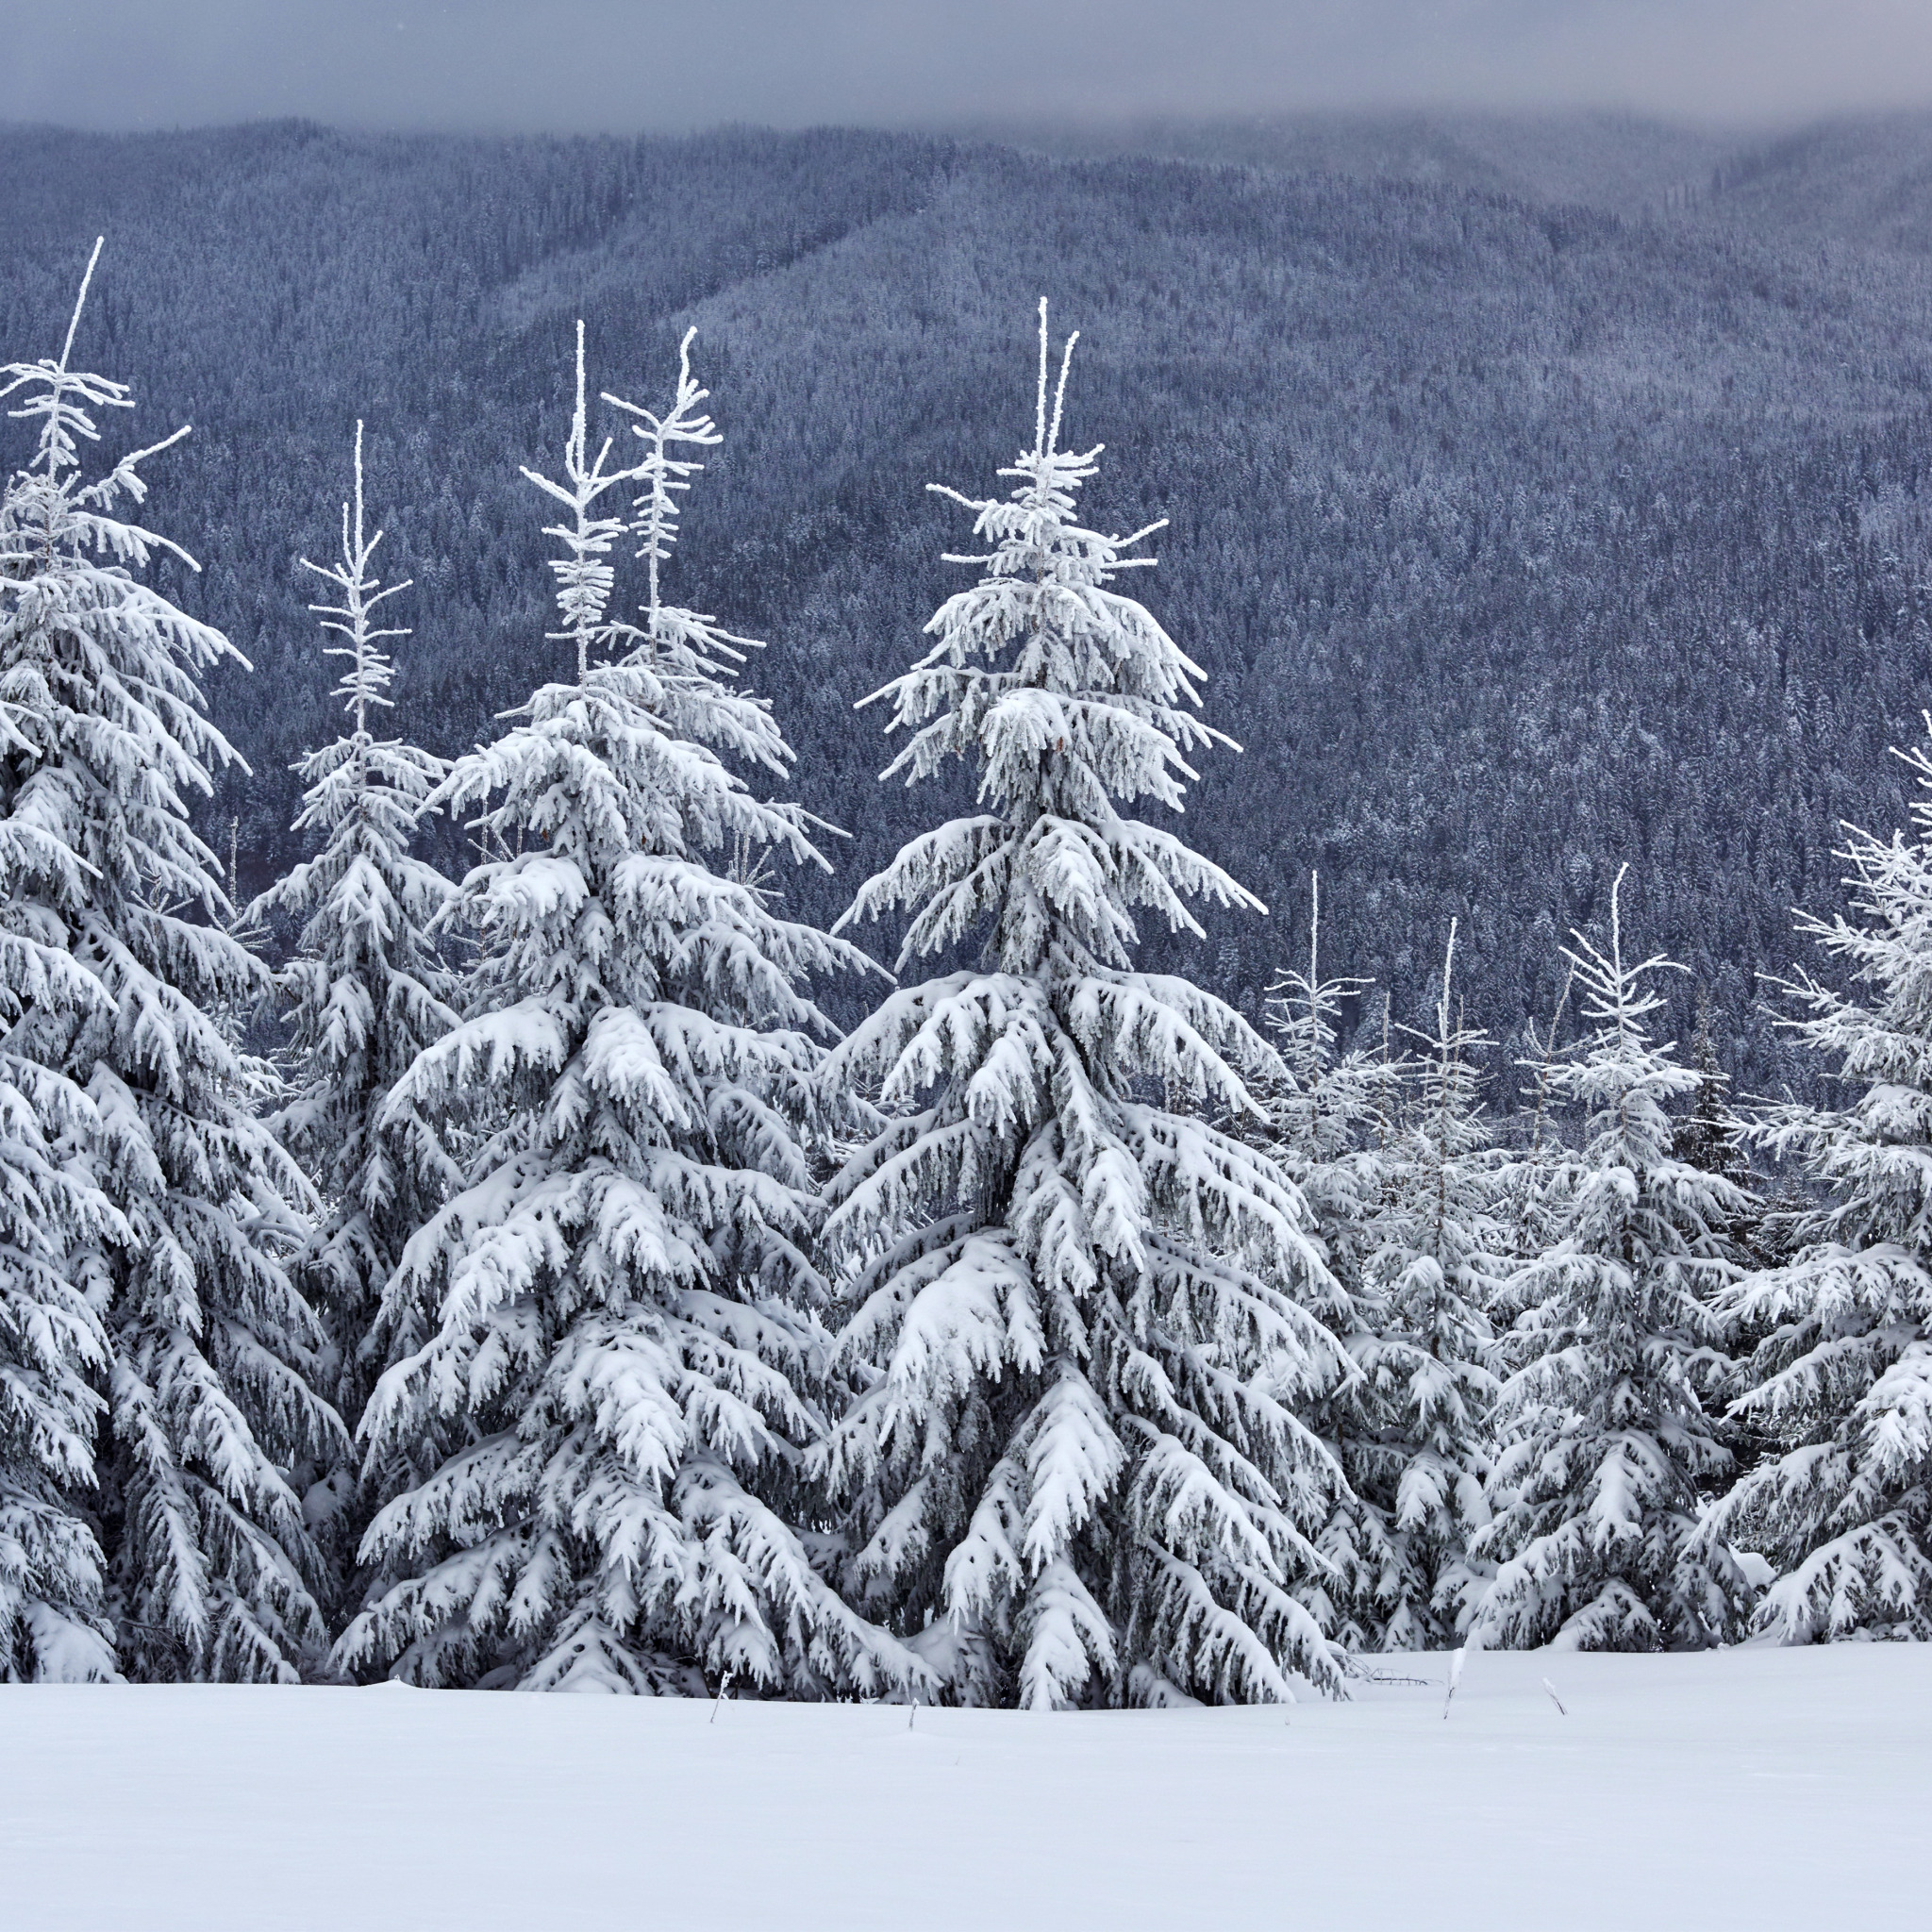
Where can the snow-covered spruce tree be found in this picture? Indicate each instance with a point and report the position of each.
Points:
(1077, 1475)
(1840, 1379)
(364, 994)
(1328, 1121)
(53, 1224)
(211, 1348)
(1603, 1443)
(613, 1398)
(1706, 1134)
(1330, 1117)
(1419, 1453)
(1530, 1174)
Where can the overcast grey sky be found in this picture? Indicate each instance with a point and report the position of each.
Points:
(628, 64)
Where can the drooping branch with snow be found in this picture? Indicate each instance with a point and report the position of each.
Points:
(1605, 1449)
(1081, 1313)
(1328, 1120)
(1837, 1342)
(364, 994)
(1419, 1453)
(210, 1352)
(607, 1409)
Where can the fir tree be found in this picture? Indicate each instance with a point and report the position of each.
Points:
(1330, 1118)
(1531, 1195)
(1328, 1124)
(1840, 1379)
(1604, 1442)
(1421, 1455)
(616, 1387)
(209, 1347)
(1078, 1474)
(1706, 1133)
(53, 1224)
(366, 990)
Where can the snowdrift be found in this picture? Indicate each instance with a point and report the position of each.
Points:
(1754, 1788)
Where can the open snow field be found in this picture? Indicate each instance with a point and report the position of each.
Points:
(1752, 1788)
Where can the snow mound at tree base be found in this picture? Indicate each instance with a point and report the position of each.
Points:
(1752, 1788)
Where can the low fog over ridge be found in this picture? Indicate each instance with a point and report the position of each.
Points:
(619, 66)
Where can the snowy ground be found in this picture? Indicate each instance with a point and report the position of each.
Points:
(1755, 1788)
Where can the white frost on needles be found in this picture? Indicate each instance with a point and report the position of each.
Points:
(365, 992)
(1605, 1443)
(1838, 1378)
(113, 903)
(1419, 1453)
(1074, 1472)
(607, 1415)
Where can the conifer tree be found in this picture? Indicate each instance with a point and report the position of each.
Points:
(366, 990)
(616, 1386)
(1419, 1457)
(1328, 1124)
(53, 1224)
(1604, 1442)
(1706, 1133)
(1078, 1474)
(209, 1348)
(1839, 1373)
(1331, 1119)
(1532, 1194)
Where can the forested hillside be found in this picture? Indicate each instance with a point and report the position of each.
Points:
(1519, 538)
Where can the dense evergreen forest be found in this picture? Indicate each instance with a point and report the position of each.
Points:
(533, 1242)
(1521, 537)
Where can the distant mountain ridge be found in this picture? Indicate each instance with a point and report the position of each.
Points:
(1528, 516)
(1853, 179)
(1618, 163)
